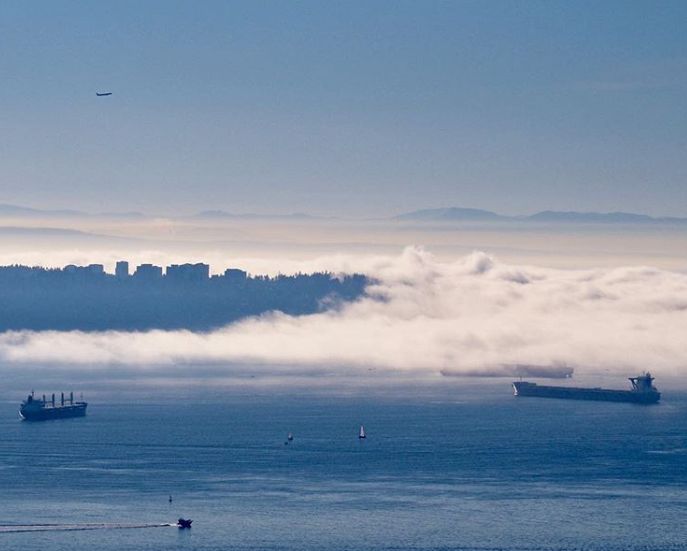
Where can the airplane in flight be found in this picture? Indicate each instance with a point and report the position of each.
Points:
(103, 94)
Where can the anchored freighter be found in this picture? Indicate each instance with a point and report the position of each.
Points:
(35, 409)
(643, 391)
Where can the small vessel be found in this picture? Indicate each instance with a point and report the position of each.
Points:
(289, 437)
(361, 435)
(184, 523)
(643, 391)
(33, 409)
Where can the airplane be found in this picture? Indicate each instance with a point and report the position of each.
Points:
(103, 94)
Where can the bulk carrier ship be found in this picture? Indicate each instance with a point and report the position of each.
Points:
(643, 391)
(33, 409)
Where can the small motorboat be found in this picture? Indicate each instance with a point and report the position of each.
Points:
(290, 437)
(184, 523)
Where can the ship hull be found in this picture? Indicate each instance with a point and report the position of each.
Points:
(48, 413)
(534, 390)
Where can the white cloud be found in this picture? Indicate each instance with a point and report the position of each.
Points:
(472, 315)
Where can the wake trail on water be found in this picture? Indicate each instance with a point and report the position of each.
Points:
(15, 528)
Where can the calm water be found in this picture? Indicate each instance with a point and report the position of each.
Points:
(457, 468)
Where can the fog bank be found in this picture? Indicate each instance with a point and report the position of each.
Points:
(472, 315)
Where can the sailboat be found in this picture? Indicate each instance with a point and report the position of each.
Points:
(362, 436)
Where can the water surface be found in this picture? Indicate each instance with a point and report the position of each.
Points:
(451, 467)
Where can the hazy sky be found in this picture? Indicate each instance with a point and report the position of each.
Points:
(348, 108)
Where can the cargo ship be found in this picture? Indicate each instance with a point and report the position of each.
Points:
(35, 409)
(643, 391)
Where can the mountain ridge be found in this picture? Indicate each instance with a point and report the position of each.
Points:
(459, 214)
(442, 214)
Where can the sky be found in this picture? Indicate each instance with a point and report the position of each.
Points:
(344, 108)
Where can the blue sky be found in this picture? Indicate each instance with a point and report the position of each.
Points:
(344, 108)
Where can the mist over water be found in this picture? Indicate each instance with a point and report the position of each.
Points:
(269, 246)
(475, 315)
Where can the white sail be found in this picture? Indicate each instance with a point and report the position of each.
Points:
(362, 432)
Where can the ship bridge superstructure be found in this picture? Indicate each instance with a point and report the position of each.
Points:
(643, 383)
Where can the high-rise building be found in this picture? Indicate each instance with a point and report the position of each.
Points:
(188, 272)
(148, 272)
(122, 269)
(234, 274)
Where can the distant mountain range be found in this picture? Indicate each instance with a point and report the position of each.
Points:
(449, 214)
(456, 214)
(16, 211)
(210, 214)
(15, 231)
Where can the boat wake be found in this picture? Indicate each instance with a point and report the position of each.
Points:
(14, 528)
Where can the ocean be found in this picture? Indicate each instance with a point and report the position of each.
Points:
(446, 465)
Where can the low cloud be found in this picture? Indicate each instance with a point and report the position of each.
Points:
(473, 316)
